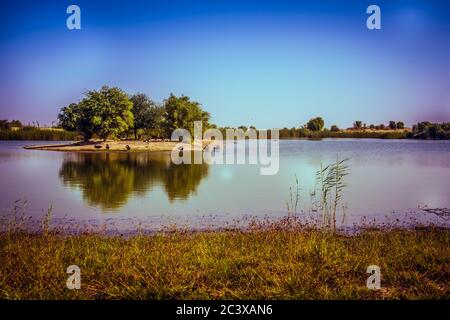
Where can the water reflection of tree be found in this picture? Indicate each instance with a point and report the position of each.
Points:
(109, 179)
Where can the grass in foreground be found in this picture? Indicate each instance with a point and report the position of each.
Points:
(263, 263)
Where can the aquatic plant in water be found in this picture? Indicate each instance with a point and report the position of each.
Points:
(330, 180)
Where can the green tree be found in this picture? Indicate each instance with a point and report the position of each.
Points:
(400, 125)
(77, 117)
(147, 115)
(112, 111)
(357, 125)
(16, 124)
(106, 113)
(428, 130)
(392, 125)
(69, 116)
(334, 128)
(181, 112)
(5, 125)
(315, 124)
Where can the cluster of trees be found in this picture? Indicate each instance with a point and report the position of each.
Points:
(317, 124)
(432, 131)
(7, 125)
(181, 112)
(112, 113)
(315, 128)
(393, 125)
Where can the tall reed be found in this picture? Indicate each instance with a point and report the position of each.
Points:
(294, 199)
(330, 180)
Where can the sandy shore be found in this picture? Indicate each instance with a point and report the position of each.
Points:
(110, 145)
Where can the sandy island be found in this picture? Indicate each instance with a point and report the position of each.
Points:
(111, 145)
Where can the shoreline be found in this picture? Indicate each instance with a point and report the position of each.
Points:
(163, 146)
(109, 146)
(132, 227)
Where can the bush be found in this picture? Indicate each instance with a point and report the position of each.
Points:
(334, 128)
(315, 124)
(357, 125)
(5, 125)
(431, 131)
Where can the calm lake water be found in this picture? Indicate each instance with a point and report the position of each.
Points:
(388, 179)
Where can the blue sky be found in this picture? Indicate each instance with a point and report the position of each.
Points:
(263, 63)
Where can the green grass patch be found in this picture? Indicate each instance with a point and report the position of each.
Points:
(261, 263)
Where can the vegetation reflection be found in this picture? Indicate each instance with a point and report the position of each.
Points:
(109, 179)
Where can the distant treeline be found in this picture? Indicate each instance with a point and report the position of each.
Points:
(295, 133)
(430, 131)
(112, 113)
(314, 129)
(422, 130)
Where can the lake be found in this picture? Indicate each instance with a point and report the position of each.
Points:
(388, 180)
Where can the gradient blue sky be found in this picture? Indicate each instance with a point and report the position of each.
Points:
(266, 63)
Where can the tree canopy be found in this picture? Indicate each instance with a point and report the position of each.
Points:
(111, 113)
(107, 113)
(315, 124)
(428, 130)
(4, 125)
(147, 114)
(392, 125)
(181, 112)
(357, 125)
